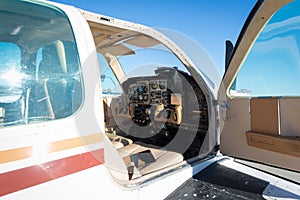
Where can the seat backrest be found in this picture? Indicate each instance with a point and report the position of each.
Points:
(52, 95)
(53, 63)
(74, 90)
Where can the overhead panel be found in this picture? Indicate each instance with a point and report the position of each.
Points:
(142, 41)
(117, 50)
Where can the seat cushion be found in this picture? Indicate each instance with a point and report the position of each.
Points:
(162, 157)
(118, 141)
(117, 145)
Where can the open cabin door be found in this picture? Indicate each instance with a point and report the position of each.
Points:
(261, 88)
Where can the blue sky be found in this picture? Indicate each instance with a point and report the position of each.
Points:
(209, 22)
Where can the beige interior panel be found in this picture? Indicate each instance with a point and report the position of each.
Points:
(290, 116)
(289, 145)
(98, 28)
(264, 115)
(237, 123)
(142, 41)
(118, 50)
(234, 140)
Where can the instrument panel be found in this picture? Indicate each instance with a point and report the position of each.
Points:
(149, 92)
(158, 92)
(163, 104)
(139, 92)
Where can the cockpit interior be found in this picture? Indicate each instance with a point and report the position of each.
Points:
(156, 121)
(156, 108)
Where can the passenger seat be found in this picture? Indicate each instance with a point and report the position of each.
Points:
(118, 141)
(142, 159)
(56, 93)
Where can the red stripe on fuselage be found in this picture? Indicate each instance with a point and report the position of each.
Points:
(30, 176)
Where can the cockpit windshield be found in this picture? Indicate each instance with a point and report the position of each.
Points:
(198, 56)
(145, 60)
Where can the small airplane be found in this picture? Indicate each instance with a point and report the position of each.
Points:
(96, 107)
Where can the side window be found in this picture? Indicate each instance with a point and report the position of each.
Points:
(40, 70)
(272, 67)
(12, 78)
(109, 82)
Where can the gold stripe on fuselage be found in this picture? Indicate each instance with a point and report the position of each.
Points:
(11, 155)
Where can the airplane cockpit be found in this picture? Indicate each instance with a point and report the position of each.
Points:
(161, 119)
(157, 107)
(123, 110)
(155, 111)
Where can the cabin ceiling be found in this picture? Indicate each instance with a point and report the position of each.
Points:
(109, 39)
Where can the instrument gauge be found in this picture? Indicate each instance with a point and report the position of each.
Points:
(154, 85)
(140, 89)
(141, 97)
(162, 85)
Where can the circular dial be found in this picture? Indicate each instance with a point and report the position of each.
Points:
(140, 89)
(154, 85)
(141, 97)
(162, 85)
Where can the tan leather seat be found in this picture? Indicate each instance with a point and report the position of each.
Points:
(117, 145)
(118, 141)
(161, 158)
(57, 91)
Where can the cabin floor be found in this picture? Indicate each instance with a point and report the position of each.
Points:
(220, 182)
